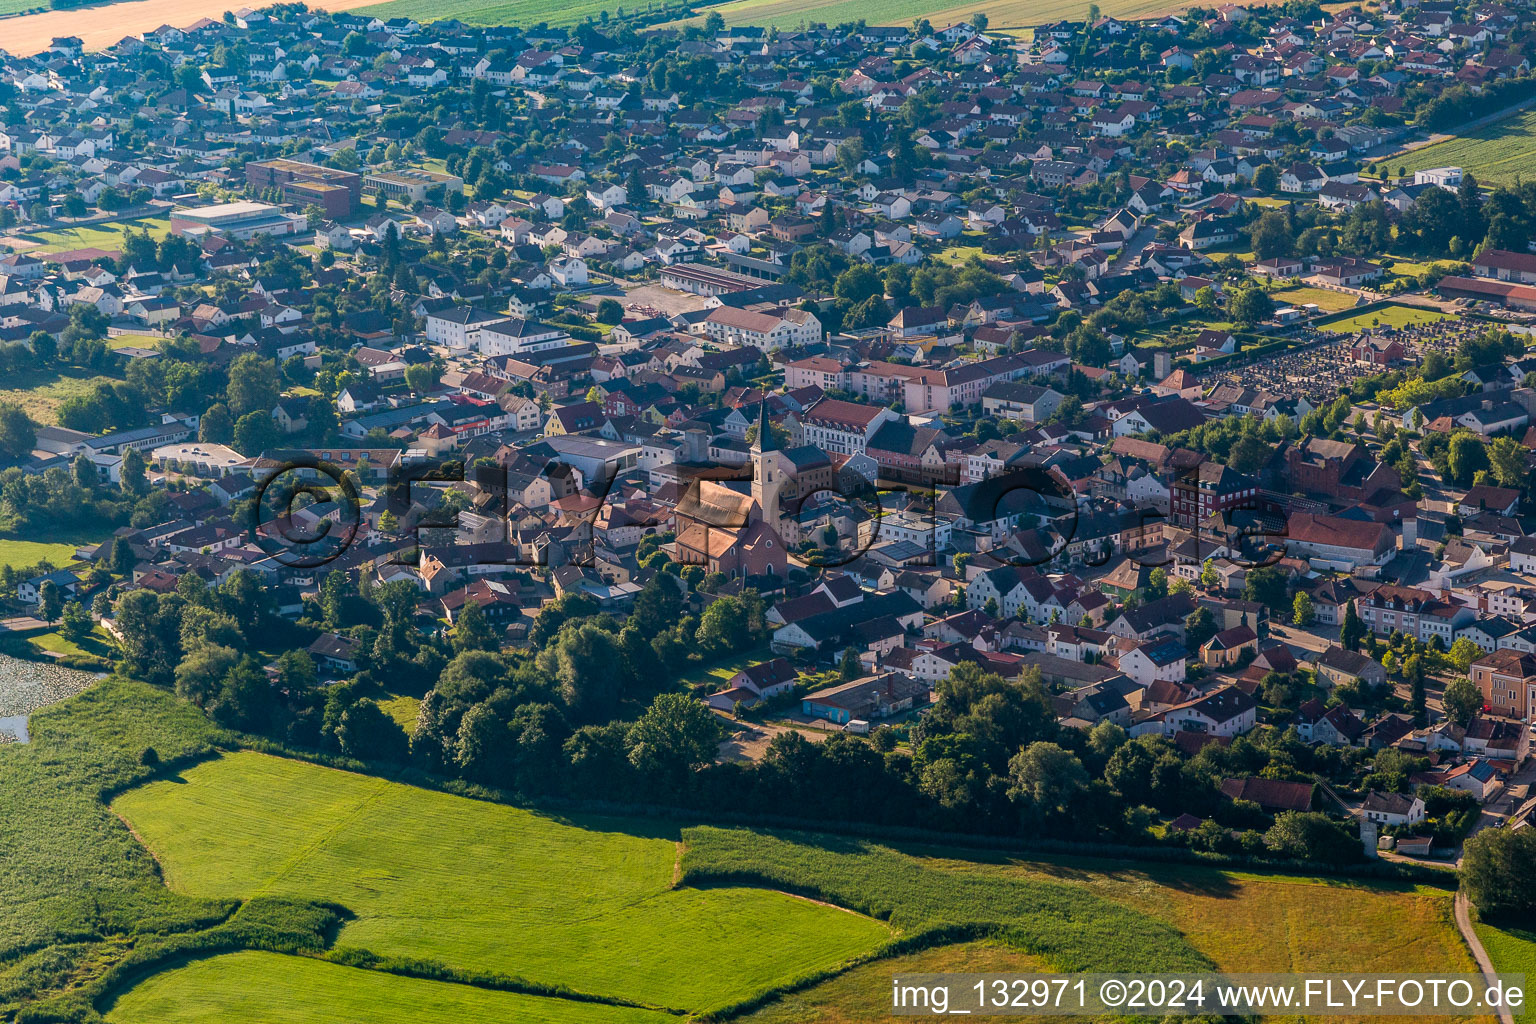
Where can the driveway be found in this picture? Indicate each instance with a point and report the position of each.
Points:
(749, 741)
(1484, 964)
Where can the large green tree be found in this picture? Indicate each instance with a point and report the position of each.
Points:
(677, 735)
(1498, 873)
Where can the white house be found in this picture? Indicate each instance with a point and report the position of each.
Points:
(1393, 809)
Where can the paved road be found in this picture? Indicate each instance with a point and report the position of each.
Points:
(1464, 925)
(1144, 236)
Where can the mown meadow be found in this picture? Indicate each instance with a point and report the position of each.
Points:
(1079, 913)
(482, 887)
(287, 891)
(272, 989)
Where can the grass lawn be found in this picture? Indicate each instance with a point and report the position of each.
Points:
(1409, 268)
(960, 254)
(269, 988)
(1328, 301)
(1388, 316)
(106, 235)
(41, 393)
(134, 341)
(403, 710)
(96, 644)
(1495, 153)
(718, 672)
(1513, 951)
(590, 907)
(29, 552)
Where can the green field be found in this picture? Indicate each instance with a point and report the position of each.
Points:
(41, 393)
(268, 988)
(30, 552)
(1082, 914)
(500, 12)
(1387, 316)
(1004, 14)
(1513, 951)
(403, 709)
(589, 907)
(57, 545)
(106, 235)
(96, 644)
(73, 882)
(626, 912)
(1495, 153)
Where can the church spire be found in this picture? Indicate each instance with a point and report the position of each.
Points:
(764, 442)
(765, 470)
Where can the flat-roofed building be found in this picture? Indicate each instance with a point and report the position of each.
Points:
(242, 220)
(337, 192)
(412, 185)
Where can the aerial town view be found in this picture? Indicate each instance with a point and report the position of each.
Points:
(765, 511)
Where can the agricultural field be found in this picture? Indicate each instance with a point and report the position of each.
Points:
(502, 12)
(32, 33)
(1003, 15)
(1387, 316)
(1495, 153)
(1326, 300)
(107, 235)
(853, 997)
(273, 989)
(71, 870)
(1076, 913)
(623, 912)
(594, 902)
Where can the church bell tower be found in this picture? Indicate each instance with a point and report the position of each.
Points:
(767, 481)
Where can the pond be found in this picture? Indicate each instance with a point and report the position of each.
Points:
(26, 686)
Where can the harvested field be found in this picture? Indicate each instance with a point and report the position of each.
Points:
(100, 27)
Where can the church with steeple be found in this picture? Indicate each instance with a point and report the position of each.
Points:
(733, 533)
